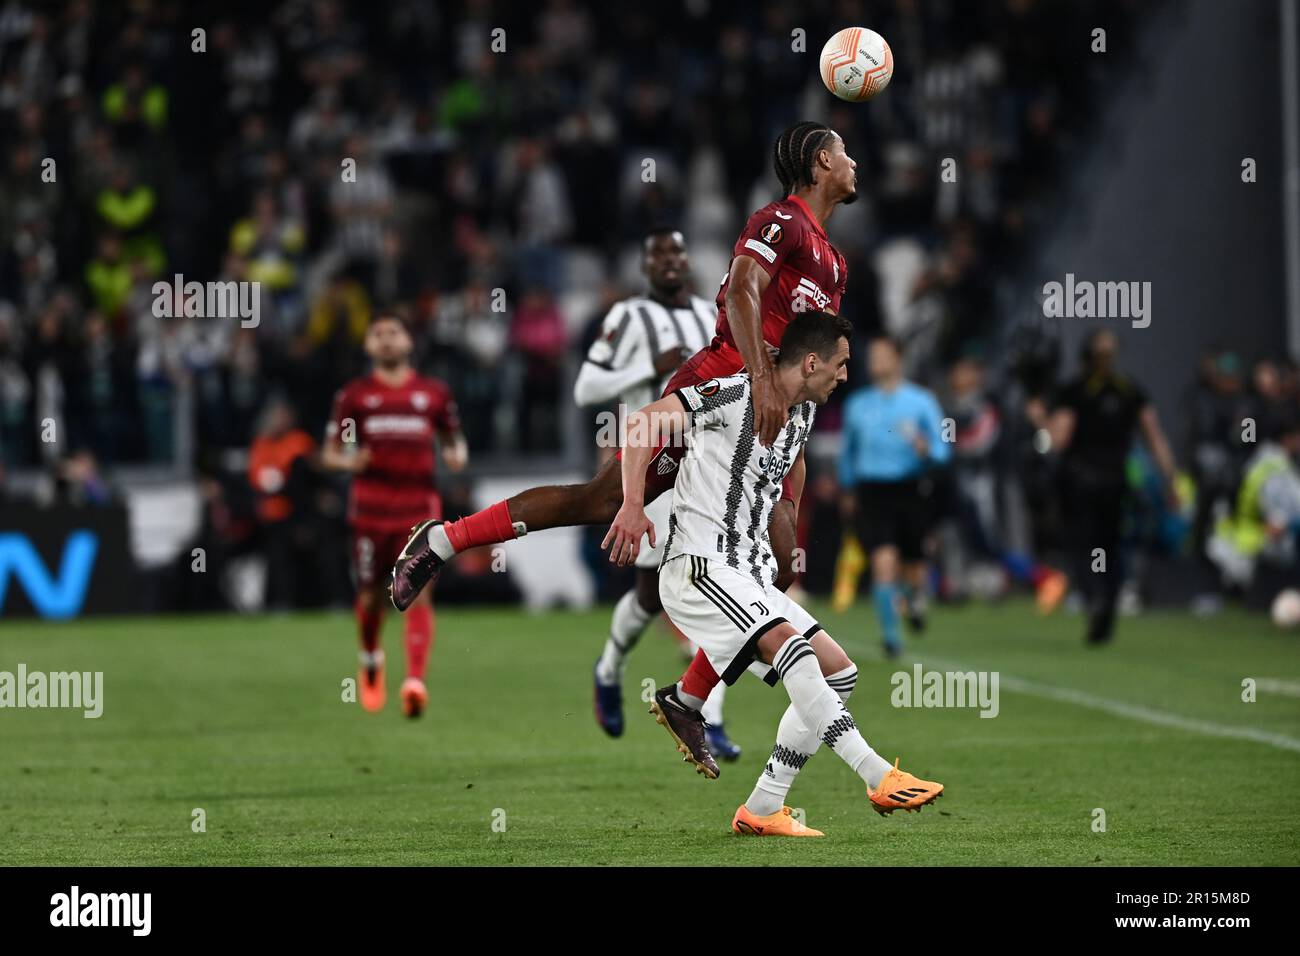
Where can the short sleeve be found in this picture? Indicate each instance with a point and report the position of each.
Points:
(709, 402)
(446, 417)
(767, 239)
(619, 338)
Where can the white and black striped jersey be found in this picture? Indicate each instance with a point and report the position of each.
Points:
(620, 363)
(728, 484)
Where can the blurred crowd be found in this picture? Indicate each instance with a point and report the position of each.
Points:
(487, 170)
(499, 189)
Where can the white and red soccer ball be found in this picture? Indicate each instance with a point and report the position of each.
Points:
(856, 64)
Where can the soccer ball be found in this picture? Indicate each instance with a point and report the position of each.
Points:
(1286, 608)
(856, 64)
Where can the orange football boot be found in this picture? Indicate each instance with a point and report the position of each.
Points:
(781, 823)
(372, 689)
(414, 697)
(1051, 591)
(899, 790)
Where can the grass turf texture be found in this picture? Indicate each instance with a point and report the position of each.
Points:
(243, 717)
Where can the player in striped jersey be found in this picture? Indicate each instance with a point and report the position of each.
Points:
(783, 265)
(718, 568)
(642, 342)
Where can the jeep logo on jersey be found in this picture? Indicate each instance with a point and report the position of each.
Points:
(771, 233)
(774, 465)
(708, 388)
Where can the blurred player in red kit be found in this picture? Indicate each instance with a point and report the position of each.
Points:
(381, 432)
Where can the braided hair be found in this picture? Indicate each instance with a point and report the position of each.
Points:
(793, 153)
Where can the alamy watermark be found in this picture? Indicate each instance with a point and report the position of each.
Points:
(78, 690)
(208, 300)
(1084, 299)
(922, 688)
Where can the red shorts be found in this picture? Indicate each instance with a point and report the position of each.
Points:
(373, 549)
(707, 363)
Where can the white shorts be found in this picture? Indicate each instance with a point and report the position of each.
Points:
(725, 612)
(657, 511)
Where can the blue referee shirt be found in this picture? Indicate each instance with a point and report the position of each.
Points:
(879, 430)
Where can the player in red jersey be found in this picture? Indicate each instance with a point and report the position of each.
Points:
(782, 264)
(381, 431)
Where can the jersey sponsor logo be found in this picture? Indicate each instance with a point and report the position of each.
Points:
(808, 292)
(774, 465)
(395, 425)
(772, 233)
(708, 388)
(764, 251)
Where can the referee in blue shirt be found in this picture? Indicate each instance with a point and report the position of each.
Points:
(892, 438)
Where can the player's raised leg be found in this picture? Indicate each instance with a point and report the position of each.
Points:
(433, 542)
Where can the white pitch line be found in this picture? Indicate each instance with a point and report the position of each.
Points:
(1132, 711)
(1274, 686)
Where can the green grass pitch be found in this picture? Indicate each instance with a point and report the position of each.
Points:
(243, 718)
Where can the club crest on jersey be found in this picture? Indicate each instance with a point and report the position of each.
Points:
(705, 389)
(772, 233)
(665, 465)
(372, 401)
(420, 401)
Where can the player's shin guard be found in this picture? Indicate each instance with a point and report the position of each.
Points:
(795, 744)
(884, 596)
(369, 621)
(700, 677)
(492, 525)
(820, 709)
(419, 623)
(625, 629)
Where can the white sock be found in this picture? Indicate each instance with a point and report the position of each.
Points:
(795, 744)
(371, 659)
(821, 710)
(625, 629)
(690, 700)
(440, 543)
(712, 709)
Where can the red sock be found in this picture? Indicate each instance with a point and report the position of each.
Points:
(492, 525)
(419, 638)
(700, 678)
(368, 624)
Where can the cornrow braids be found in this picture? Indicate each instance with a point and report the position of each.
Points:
(793, 153)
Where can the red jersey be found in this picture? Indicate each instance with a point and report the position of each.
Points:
(808, 273)
(397, 424)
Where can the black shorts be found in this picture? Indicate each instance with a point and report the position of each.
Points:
(894, 513)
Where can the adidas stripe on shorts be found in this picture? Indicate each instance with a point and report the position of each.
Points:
(725, 612)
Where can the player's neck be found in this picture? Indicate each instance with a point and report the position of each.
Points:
(394, 377)
(789, 384)
(679, 299)
(819, 203)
